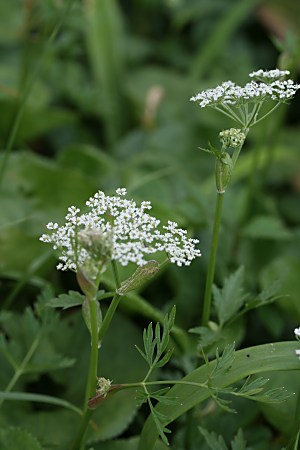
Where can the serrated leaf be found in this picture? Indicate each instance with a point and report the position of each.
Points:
(266, 227)
(25, 338)
(65, 301)
(239, 442)
(264, 358)
(225, 361)
(254, 386)
(161, 396)
(231, 297)
(162, 430)
(213, 441)
(224, 404)
(16, 438)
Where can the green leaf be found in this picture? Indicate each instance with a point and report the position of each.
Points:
(262, 358)
(86, 313)
(254, 386)
(65, 301)
(27, 343)
(125, 444)
(266, 227)
(224, 362)
(231, 297)
(16, 438)
(31, 397)
(239, 442)
(155, 340)
(213, 441)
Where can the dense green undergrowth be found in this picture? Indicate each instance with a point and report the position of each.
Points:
(94, 95)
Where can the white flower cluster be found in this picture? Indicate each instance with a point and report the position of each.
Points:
(229, 93)
(297, 335)
(131, 233)
(269, 74)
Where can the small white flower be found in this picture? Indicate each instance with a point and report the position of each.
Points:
(297, 333)
(116, 228)
(121, 191)
(229, 93)
(269, 74)
(298, 353)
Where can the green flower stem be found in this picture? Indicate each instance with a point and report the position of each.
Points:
(108, 316)
(113, 306)
(238, 149)
(212, 261)
(92, 376)
(27, 90)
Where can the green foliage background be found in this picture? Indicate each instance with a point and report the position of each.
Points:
(105, 104)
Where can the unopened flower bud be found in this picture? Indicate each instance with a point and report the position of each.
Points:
(103, 386)
(233, 138)
(139, 277)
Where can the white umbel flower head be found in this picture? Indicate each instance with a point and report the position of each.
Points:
(243, 103)
(115, 228)
(229, 93)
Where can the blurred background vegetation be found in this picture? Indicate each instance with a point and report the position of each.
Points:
(94, 94)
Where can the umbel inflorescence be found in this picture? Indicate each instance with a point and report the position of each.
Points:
(115, 228)
(235, 101)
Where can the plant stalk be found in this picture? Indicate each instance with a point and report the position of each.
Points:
(92, 376)
(212, 260)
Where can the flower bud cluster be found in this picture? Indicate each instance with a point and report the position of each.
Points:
(233, 138)
(115, 228)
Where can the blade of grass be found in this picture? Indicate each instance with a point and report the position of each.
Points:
(104, 38)
(30, 397)
(262, 358)
(220, 36)
(27, 89)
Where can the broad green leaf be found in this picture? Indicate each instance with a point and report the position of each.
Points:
(25, 338)
(16, 438)
(239, 442)
(262, 358)
(231, 297)
(266, 227)
(289, 265)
